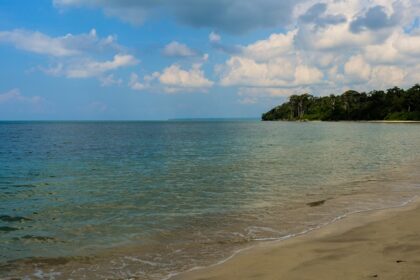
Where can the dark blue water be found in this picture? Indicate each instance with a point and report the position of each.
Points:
(147, 199)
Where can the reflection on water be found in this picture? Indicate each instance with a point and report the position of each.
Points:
(148, 199)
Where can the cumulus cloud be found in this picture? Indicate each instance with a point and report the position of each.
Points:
(90, 68)
(375, 18)
(408, 44)
(357, 69)
(245, 71)
(235, 16)
(176, 78)
(323, 46)
(277, 45)
(320, 47)
(273, 62)
(316, 15)
(177, 49)
(74, 56)
(94, 68)
(62, 46)
(384, 76)
(279, 72)
(173, 79)
(334, 45)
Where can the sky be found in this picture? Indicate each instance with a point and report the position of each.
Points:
(166, 59)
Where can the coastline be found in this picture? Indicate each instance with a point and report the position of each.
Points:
(390, 121)
(345, 121)
(382, 244)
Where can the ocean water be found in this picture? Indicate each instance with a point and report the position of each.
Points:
(147, 200)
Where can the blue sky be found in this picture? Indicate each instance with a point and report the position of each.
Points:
(135, 60)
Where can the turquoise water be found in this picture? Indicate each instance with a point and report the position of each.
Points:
(146, 200)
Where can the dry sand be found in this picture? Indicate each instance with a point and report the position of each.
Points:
(381, 244)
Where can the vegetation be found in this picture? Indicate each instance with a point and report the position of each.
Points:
(392, 104)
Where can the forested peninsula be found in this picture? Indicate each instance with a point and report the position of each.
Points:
(392, 104)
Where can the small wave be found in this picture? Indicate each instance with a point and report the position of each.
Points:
(24, 186)
(293, 235)
(38, 238)
(8, 229)
(40, 274)
(7, 218)
(134, 259)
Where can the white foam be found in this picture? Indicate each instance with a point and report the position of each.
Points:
(274, 239)
(141, 261)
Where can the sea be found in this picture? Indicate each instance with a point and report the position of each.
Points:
(149, 200)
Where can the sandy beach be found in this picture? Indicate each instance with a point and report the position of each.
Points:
(393, 121)
(381, 244)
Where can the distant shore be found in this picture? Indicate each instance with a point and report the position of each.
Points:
(384, 121)
(382, 244)
(378, 121)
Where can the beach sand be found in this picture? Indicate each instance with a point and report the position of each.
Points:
(383, 244)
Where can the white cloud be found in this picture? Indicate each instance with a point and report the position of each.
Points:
(327, 46)
(87, 68)
(274, 46)
(173, 79)
(74, 56)
(14, 95)
(336, 37)
(109, 80)
(277, 72)
(385, 53)
(386, 76)
(306, 75)
(245, 71)
(177, 78)
(134, 82)
(62, 46)
(322, 53)
(357, 69)
(408, 44)
(177, 49)
(214, 37)
(273, 62)
(95, 68)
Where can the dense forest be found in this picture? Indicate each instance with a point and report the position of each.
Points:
(392, 104)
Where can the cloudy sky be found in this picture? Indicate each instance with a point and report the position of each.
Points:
(162, 59)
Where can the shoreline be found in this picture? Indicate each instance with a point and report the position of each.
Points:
(288, 257)
(390, 121)
(346, 121)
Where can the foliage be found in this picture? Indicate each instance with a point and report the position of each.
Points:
(393, 104)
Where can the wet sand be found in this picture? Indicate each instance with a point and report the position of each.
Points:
(383, 244)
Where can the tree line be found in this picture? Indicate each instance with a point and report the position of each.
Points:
(392, 104)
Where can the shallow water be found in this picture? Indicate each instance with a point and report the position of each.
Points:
(146, 200)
